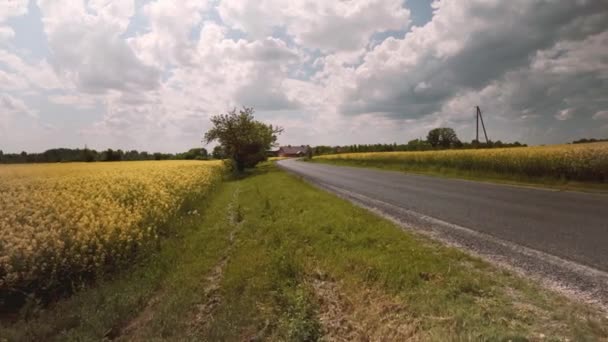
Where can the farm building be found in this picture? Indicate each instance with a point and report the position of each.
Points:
(292, 151)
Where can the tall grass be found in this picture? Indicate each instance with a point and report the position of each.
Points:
(580, 162)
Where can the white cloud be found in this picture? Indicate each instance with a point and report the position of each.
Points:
(6, 33)
(601, 115)
(37, 75)
(575, 57)
(170, 26)
(564, 114)
(331, 72)
(11, 82)
(12, 8)
(10, 105)
(8, 9)
(326, 25)
(87, 48)
(78, 101)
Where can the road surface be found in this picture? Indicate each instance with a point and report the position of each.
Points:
(572, 226)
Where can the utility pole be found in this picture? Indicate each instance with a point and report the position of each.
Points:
(479, 117)
(477, 125)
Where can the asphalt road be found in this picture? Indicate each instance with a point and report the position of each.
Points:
(570, 225)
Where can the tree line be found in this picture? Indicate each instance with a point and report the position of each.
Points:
(588, 140)
(62, 155)
(437, 139)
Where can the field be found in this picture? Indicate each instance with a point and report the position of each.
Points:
(584, 163)
(62, 224)
(265, 261)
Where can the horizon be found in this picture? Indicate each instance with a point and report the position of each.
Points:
(147, 75)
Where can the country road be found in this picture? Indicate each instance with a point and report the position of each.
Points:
(491, 219)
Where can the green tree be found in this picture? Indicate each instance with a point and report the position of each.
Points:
(243, 139)
(87, 155)
(444, 137)
(109, 155)
(132, 155)
(218, 152)
(195, 153)
(434, 136)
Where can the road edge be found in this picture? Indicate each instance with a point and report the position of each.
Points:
(576, 281)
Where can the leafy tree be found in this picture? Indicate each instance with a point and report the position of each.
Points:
(107, 155)
(243, 139)
(434, 136)
(194, 153)
(132, 155)
(443, 137)
(218, 152)
(87, 155)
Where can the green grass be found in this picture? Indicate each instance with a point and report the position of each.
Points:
(473, 175)
(274, 258)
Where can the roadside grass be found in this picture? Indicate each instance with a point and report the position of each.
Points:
(473, 175)
(273, 258)
(447, 294)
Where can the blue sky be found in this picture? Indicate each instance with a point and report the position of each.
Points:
(147, 75)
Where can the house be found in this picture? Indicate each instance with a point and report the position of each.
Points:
(272, 153)
(292, 151)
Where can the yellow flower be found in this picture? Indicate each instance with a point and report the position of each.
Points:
(65, 217)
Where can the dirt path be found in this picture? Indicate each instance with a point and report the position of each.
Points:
(134, 330)
(204, 311)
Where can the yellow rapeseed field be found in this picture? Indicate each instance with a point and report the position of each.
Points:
(62, 221)
(576, 162)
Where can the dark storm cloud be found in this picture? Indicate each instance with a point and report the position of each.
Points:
(503, 37)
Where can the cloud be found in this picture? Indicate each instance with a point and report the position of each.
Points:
(8, 9)
(12, 8)
(326, 25)
(6, 33)
(88, 50)
(564, 114)
(465, 46)
(149, 74)
(170, 26)
(37, 75)
(601, 115)
(11, 82)
(13, 106)
(82, 102)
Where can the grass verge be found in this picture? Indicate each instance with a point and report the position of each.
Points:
(273, 258)
(480, 176)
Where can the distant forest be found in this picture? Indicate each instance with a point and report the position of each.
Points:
(59, 155)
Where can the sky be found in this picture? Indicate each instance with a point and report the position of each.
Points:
(148, 75)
